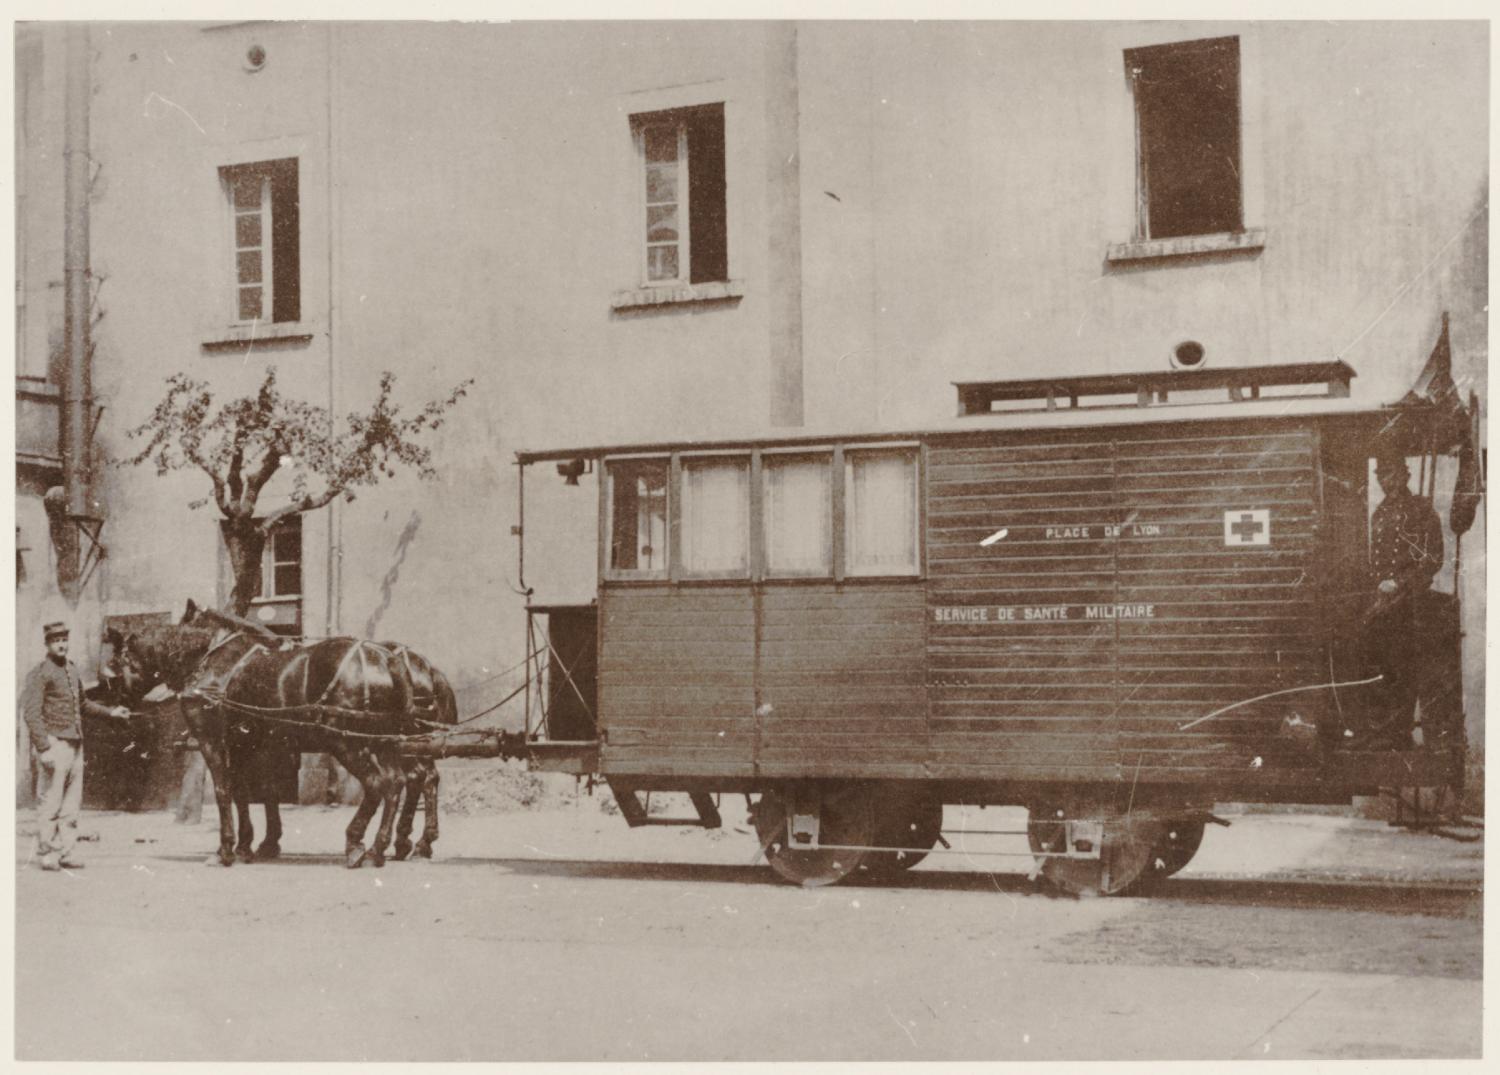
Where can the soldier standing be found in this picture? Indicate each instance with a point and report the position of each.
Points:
(1406, 551)
(53, 705)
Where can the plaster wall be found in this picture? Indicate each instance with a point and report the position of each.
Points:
(469, 205)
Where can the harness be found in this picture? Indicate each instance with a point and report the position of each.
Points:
(315, 713)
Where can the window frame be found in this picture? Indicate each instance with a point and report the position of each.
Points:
(759, 572)
(708, 250)
(230, 177)
(266, 172)
(607, 519)
(678, 123)
(269, 563)
(827, 456)
(677, 522)
(917, 454)
(269, 597)
(1135, 60)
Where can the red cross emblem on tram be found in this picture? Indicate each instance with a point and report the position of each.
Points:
(1247, 527)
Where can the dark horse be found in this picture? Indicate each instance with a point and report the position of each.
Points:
(244, 694)
(433, 703)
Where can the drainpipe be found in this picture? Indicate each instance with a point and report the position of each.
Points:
(77, 386)
(335, 565)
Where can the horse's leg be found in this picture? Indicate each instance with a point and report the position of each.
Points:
(270, 845)
(410, 786)
(208, 728)
(371, 781)
(429, 773)
(391, 777)
(244, 847)
(244, 764)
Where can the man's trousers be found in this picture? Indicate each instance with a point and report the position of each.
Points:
(60, 790)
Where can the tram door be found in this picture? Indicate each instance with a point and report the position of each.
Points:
(572, 673)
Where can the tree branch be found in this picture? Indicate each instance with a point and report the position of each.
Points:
(307, 503)
(220, 494)
(257, 481)
(236, 469)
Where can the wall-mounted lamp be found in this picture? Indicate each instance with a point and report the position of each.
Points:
(573, 468)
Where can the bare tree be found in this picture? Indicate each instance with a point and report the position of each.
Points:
(242, 443)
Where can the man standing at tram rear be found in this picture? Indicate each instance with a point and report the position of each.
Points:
(1406, 551)
(53, 706)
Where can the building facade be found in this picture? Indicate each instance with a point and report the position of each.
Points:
(632, 231)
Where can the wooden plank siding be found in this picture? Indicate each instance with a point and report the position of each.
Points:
(842, 680)
(990, 666)
(1122, 520)
(677, 681)
(780, 680)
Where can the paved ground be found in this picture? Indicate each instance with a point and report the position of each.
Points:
(560, 934)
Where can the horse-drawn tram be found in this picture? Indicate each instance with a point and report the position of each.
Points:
(1113, 600)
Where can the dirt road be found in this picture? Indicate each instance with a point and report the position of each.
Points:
(560, 934)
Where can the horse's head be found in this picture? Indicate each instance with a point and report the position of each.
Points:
(154, 654)
(132, 666)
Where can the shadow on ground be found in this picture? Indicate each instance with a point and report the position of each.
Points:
(1447, 899)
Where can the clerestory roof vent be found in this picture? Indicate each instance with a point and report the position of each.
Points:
(1157, 388)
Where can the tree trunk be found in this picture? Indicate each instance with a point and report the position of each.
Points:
(246, 541)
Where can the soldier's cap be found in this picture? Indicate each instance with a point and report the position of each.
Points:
(1387, 464)
(55, 630)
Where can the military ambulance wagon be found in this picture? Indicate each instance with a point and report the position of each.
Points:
(1113, 600)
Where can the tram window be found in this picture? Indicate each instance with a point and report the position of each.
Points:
(716, 516)
(798, 516)
(638, 517)
(880, 512)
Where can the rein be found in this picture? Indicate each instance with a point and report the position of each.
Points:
(216, 699)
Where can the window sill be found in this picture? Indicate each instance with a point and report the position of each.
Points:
(674, 294)
(1249, 240)
(244, 337)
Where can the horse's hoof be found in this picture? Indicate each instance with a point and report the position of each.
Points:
(401, 851)
(244, 854)
(218, 858)
(423, 850)
(267, 851)
(373, 858)
(353, 856)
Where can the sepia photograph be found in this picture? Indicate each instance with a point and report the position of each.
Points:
(750, 539)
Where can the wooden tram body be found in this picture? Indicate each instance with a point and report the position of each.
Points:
(1115, 616)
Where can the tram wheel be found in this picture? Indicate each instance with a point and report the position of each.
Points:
(911, 824)
(846, 815)
(1179, 842)
(1125, 857)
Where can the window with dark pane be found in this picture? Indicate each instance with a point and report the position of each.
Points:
(1187, 106)
(682, 151)
(283, 560)
(267, 243)
(638, 515)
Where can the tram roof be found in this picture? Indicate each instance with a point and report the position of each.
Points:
(1038, 419)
